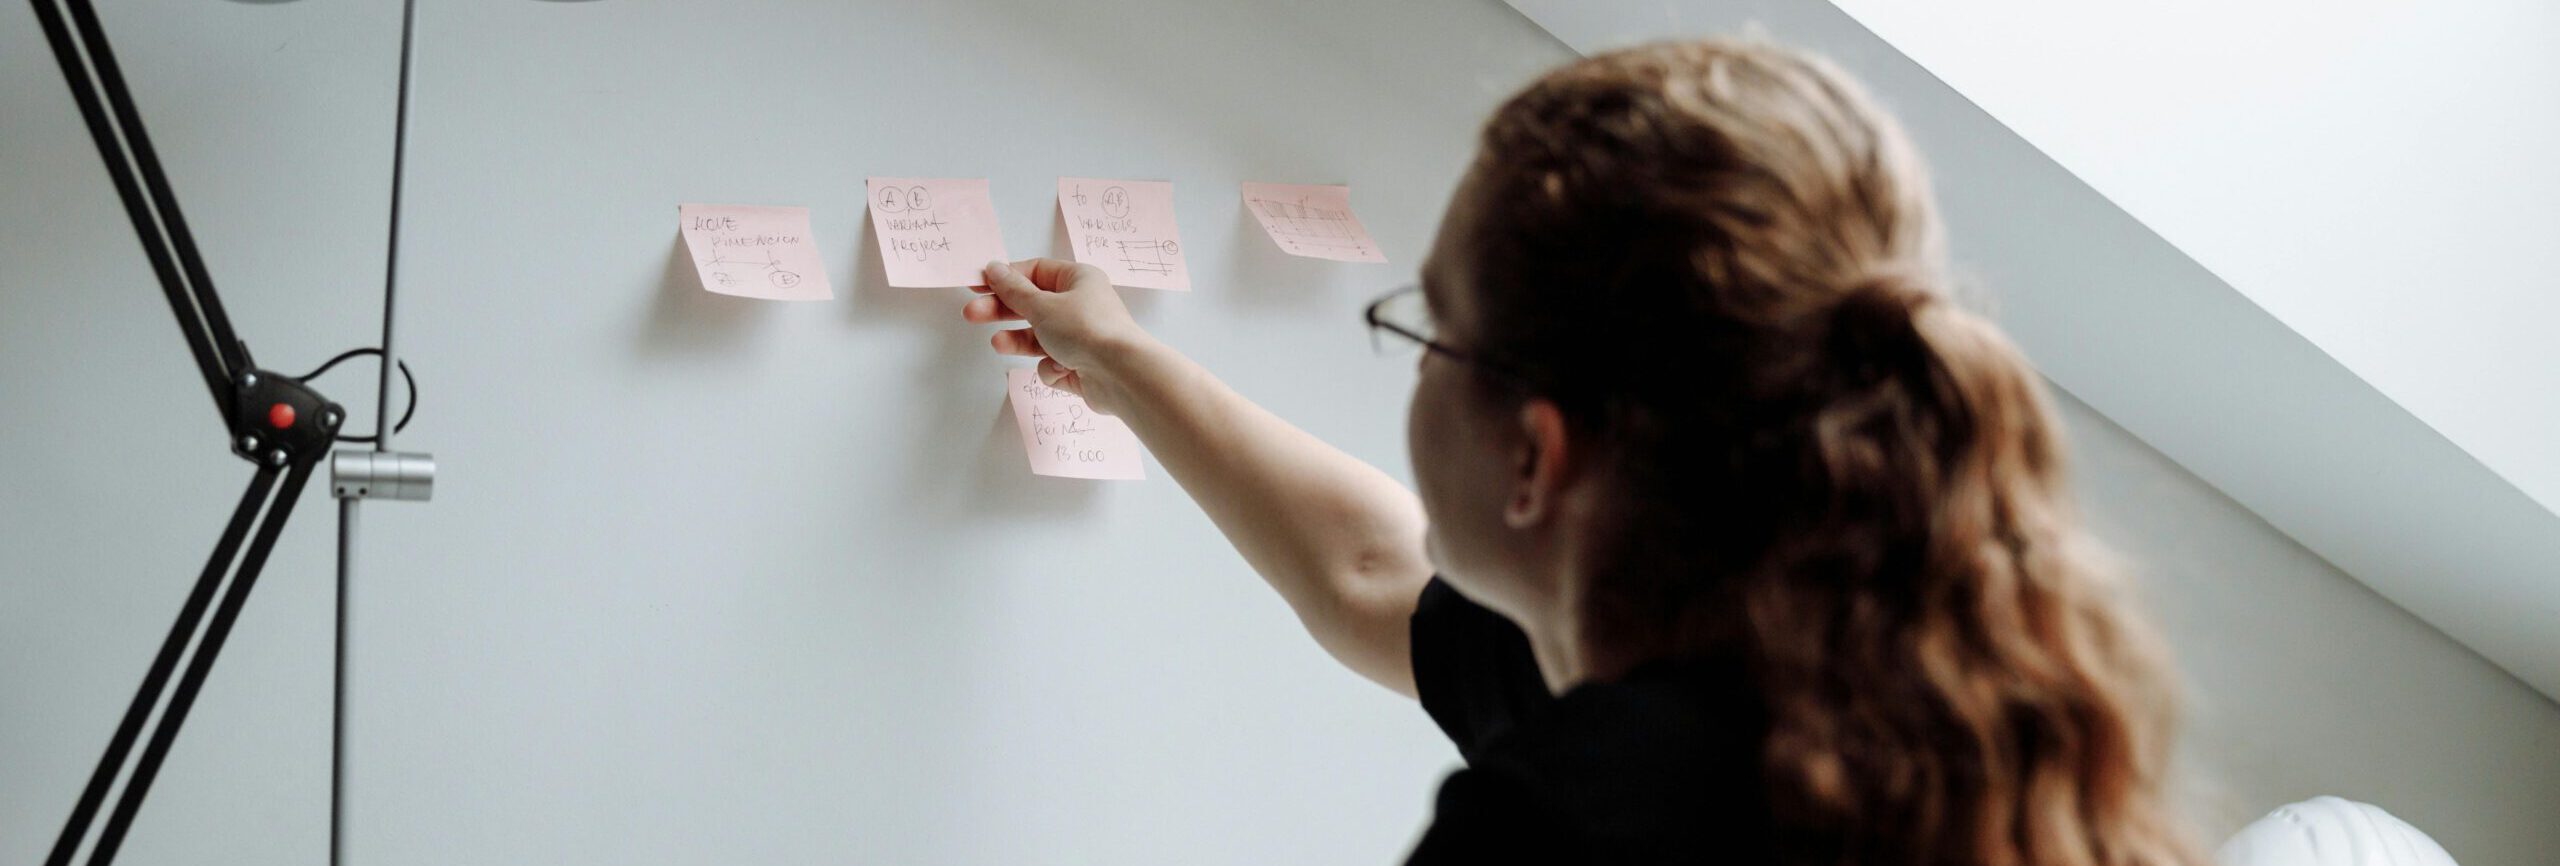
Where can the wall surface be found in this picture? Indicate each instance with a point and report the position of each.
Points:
(719, 581)
(711, 580)
(2304, 682)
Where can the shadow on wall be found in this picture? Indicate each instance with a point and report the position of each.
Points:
(685, 320)
(1282, 279)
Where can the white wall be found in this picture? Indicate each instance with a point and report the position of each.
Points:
(709, 581)
(2304, 682)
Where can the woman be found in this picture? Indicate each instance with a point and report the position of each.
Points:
(1749, 546)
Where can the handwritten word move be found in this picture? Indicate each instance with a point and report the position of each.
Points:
(754, 252)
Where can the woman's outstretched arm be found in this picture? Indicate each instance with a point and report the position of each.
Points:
(1339, 540)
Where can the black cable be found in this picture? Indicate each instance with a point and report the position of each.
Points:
(412, 382)
(333, 361)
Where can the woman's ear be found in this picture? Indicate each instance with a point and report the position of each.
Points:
(1543, 466)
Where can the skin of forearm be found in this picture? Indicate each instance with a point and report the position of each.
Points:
(1339, 540)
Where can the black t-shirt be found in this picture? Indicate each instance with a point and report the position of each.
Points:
(1658, 767)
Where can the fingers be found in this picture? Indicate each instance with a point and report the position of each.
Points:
(988, 310)
(1047, 273)
(1019, 341)
(1015, 290)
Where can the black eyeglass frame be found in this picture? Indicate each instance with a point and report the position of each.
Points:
(1510, 375)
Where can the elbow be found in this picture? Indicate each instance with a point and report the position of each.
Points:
(1369, 629)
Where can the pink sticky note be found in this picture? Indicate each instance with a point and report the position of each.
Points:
(754, 252)
(1312, 221)
(1125, 227)
(935, 231)
(1067, 438)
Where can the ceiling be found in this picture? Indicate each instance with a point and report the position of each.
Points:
(2378, 175)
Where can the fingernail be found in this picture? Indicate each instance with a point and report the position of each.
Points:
(997, 268)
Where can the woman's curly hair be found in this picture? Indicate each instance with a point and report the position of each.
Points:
(1722, 260)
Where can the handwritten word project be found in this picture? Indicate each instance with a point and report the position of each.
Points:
(935, 231)
(754, 252)
(1067, 438)
(1312, 221)
(1125, 227)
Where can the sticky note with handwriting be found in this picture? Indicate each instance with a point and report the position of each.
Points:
(1066, 438)
(754, 252)
(1312, 221)
(1126, 228)
(935, 231)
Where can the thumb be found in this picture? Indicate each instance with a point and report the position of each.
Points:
(1016, 290)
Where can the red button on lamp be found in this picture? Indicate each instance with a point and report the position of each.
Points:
(280, 415)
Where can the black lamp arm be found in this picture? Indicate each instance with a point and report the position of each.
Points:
(274, 421)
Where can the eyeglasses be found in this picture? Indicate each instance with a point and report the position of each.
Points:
(1401, 318)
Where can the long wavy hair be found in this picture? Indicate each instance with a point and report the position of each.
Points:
(1725, 264)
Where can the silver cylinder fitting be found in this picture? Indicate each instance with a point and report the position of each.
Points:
(382, 475)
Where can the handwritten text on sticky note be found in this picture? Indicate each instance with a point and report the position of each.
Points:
(1126, 228)
(935, 231)
(1312, 221)
(1067, 438)
(754, 252)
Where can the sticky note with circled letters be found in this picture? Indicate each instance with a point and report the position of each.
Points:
(1126, 228)
(935, 231)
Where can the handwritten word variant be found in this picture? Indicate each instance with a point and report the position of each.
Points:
(1312, 221)
(1126, 228)
(754, 252)
(935, 231)
(1066, 438)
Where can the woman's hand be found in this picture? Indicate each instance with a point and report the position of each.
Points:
(1080, 331)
